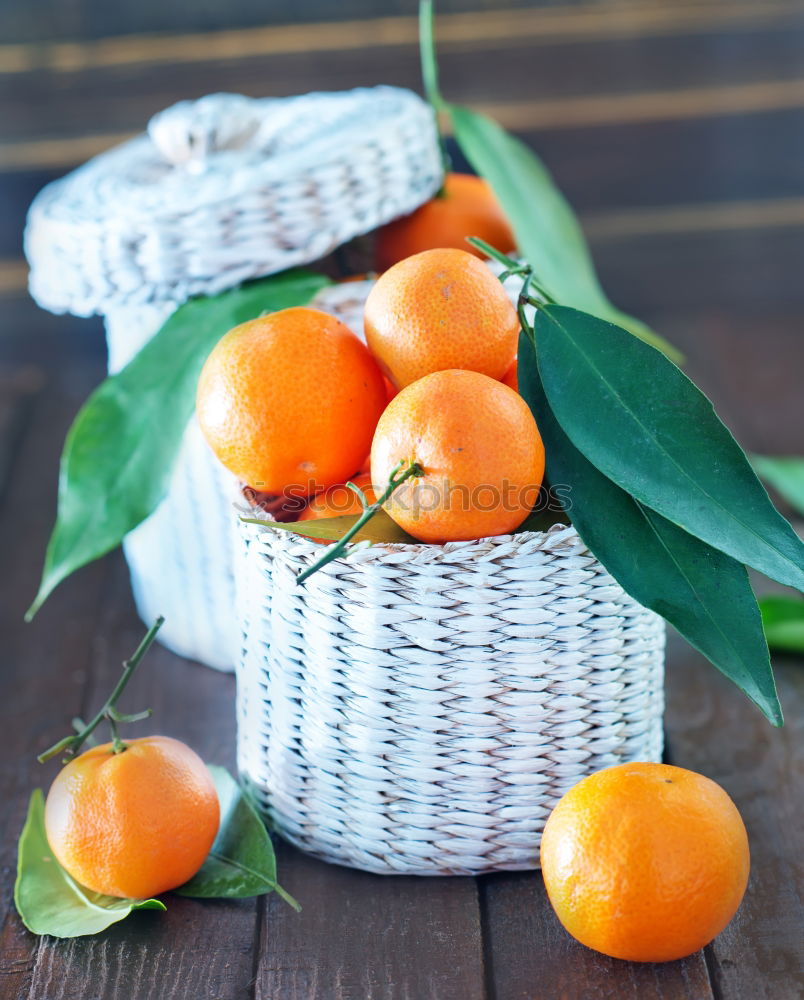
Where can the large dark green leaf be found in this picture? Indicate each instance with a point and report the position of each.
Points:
(705, 594)
(120, 450)
(547, 231)
(49, 900)
(783, 618)
(241, 862)
(647, 427)
(785, 475)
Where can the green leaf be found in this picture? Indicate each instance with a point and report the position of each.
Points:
(786, 476)
(648, 428)
(547, 232)
(119, 453)
(783, 618)
(49, 900)
(705, 594)
(241, 862)
(381, 528)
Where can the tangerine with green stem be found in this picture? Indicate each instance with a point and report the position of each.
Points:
(131, 818)
(136, 822)
(479, 450)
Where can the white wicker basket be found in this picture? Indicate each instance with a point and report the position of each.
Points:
(420, 709)
(221, 190)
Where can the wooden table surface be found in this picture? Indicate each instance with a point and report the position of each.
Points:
(678, 131)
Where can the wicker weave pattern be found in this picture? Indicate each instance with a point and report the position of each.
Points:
(420, 709)
(296, 178)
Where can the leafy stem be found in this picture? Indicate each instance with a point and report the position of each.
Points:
(402, 471)
(530, 294)
(430, 74)
(70, 745)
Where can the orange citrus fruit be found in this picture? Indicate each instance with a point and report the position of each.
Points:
(479, 449)
(436, 310)
(339, 501)
(511, 377)
(645, 862)
(289, 402)
(134, 823)
(466, 206)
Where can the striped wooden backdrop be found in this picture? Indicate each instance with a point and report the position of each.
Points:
(677, 129)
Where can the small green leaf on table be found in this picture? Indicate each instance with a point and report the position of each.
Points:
(639, 420)
(119, 453)
(241, 862)
(783, 618)
(547, 231)
(705, 594)
(48, 900)
(785, 475)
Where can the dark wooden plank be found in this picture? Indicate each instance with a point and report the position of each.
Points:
(517, 67)
(19, 388)
(95, 19)
(749, 362)
(715, 730)
(531, 956)
(63, 664)
(370, 937)
(198, 948)
(43, 666)
(31, 336)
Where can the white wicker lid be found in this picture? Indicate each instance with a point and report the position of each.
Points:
(229, 188)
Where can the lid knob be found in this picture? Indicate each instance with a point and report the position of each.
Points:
(188, 132)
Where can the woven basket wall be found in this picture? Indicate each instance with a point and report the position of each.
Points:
(420, 709)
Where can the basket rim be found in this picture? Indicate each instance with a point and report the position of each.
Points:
(558, 536)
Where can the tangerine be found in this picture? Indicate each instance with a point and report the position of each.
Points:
(465, 206)
(479, 449)
(339, 501)
(134, 823)
(646, 862)
(511, 377)
(438, 310)
(289, 402)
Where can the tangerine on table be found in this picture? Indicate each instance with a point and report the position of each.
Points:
(480, 451)
(437, 310)
(465, 206)
(135, 823)
(646, 862)
(289, 402)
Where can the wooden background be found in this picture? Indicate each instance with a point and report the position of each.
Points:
(677, 129)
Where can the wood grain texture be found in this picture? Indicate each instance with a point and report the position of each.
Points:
(621, 77)
(43, 667)
(715, 730)
(531, 957)
(369, 937)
